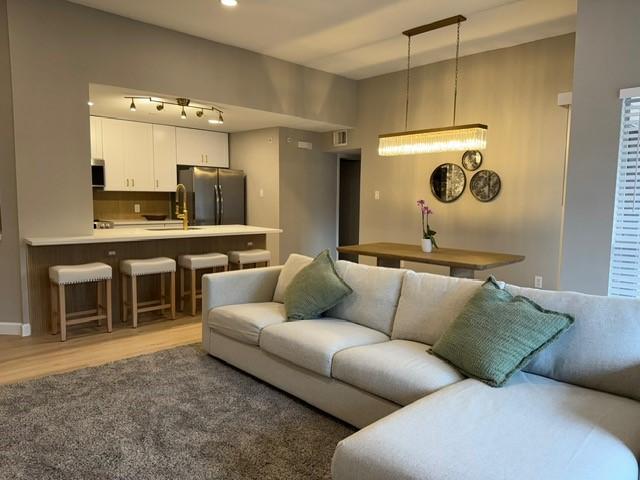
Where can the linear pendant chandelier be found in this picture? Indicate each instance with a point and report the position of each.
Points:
(444, 139)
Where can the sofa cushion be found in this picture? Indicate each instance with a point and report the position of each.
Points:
(245, 322)
(535, 428)
(313, 343)
(400, 371)
(496, 334)
(374, 300)
(429, 304)
(290, 269)
(601, 350)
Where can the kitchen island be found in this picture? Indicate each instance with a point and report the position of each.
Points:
(110, 246)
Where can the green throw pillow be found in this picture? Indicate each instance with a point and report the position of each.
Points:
(315, 289)
(497, 334)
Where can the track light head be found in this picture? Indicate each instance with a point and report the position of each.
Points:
(199, 113)
(132, 107)
(160, 107)
(220, 119)
(183, 115)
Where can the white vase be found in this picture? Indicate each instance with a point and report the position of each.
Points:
(427, 246)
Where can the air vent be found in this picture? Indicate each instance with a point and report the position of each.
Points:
(340, 138)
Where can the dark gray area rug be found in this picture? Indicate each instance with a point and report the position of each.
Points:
(177, 414)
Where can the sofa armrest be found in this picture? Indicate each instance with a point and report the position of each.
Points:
(239, 286)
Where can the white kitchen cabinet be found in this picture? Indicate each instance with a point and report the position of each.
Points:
(164, 158)
(202, 148)
(128, 155)
(95, 132)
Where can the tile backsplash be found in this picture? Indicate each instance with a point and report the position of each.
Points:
(120, 205)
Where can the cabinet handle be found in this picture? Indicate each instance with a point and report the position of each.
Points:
(133, 182)
(156, 183)
(207, 157)
(127, 182)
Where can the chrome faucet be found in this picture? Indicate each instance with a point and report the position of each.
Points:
(184, 216)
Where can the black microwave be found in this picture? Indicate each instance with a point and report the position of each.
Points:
(97, 173)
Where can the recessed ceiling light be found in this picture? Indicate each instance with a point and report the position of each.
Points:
(90, 103)
(229, 3)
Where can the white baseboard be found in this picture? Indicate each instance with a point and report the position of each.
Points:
(21, 329)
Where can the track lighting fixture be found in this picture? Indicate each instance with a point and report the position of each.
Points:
(183, 103)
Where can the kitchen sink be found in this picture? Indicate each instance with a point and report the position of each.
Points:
(172, 228)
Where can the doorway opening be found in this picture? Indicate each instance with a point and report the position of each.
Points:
(348, 202)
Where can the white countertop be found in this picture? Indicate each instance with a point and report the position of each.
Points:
(113, 235)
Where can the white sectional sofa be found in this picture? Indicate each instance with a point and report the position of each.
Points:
(572, 414)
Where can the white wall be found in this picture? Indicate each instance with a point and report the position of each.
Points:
(606, 60)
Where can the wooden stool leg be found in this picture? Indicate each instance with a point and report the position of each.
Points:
(99, 287)
(181, 289)
(172, 293)
(54, 308)
(62, 313)
(193, 293)
(162, 292)
(134, 301)
(123, 298)
(109, 310)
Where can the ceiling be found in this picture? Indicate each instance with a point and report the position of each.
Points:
(110, 101)
(354, 38)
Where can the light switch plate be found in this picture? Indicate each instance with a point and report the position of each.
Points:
(136, 207)
(537, 281)
(376, 195)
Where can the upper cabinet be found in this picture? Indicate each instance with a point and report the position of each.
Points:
(128, 155)
(95, 125)
(164, 158)
(202, 148)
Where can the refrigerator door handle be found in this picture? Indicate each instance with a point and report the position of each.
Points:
(221, 204)
(217, 199)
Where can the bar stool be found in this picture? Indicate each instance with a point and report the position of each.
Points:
(240, 258)
(193, 263)
(137, 268)
(62, 275)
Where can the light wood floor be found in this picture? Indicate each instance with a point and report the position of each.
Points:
(32, 357)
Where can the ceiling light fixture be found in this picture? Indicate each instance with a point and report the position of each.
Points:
(229, 3)
(444, 139)
(181, 102)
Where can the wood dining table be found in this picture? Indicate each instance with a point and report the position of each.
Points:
(461, 263)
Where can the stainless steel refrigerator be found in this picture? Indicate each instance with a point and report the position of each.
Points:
(216, 196)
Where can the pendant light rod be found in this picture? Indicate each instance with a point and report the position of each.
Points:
(435, 25)
(455, 88)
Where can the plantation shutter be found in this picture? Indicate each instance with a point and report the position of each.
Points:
(624, 275)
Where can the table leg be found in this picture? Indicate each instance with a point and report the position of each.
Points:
(460, 272)
(388, 262)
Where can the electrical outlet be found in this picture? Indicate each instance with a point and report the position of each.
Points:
(136, 207)
(249, 244)
(262, 193)
(111, 253)
(537, 281)
(376, 195)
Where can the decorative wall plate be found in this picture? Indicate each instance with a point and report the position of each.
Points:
(485, 185)
(447, 182)
(472, 159)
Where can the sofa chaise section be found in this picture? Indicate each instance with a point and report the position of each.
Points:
(534, 428)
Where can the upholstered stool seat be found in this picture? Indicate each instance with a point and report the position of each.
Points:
(205, 260)
(148, 266)
(132, 269)
(248, 257)
(192, 263)
(63, 275)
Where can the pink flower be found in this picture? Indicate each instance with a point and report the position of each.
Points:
(420, 203)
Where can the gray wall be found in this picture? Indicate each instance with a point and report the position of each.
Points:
(257, 153)
(9, 245)
(308, 183)
(514, 91)
(58, 48)
(606, 60)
